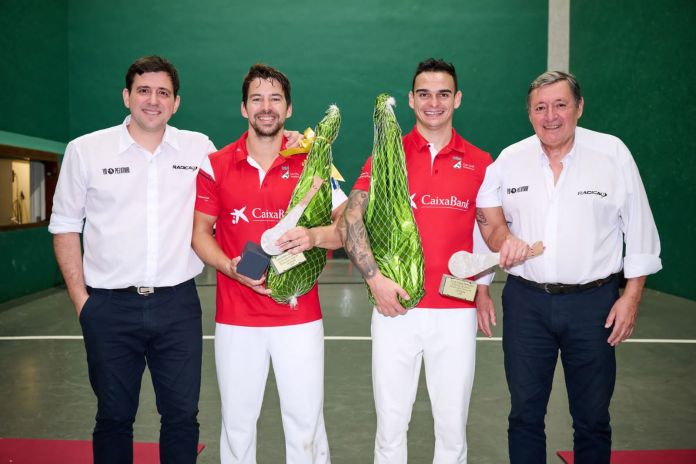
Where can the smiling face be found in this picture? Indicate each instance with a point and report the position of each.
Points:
(266, 107)
(434, 100)
(554, 115)
(151, 102)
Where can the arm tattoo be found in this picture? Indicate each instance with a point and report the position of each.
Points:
(354, 234)
(481, 218)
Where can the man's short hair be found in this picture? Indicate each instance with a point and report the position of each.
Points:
(551, 77)
(152, 63)
(265, 72)
(433, 65)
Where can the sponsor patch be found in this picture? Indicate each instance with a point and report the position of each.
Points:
(592, 192)
(183, 167)
(513, 190)
(121, 170)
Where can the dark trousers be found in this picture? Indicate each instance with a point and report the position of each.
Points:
(536, 326)
(123, 332)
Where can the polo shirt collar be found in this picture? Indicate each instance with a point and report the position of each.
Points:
(126, 140)
(456, 143)
(241, 153)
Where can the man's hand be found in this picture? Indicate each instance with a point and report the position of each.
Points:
(293, 137)
(513, 251)
(386, 292)
(297, 240)
(623, 317)
(256, 285)
(79, 302)
(485, 310)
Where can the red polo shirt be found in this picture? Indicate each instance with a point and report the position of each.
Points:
(228, 188)
(443, 197)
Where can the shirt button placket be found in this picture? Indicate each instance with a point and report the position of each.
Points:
(152, 212)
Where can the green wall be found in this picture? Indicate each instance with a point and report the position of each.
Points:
(27, 263)
(33, 68)
(636, 61)
(342, 52)
(34, 83)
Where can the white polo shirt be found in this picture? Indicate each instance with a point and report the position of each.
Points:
(598, 203)
(136, 206)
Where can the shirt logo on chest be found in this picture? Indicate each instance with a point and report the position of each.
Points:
(435, 201)
(122, 170)
(184, 167)
(457, 162)
(238, 214)
(592, 192)
(513, 190)
(285, 172)
(257, 215)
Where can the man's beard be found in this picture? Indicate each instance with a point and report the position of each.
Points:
(267, 131)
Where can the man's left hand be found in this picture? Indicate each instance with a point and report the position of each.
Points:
(297, 240)
(623, 317)
(293, 137)
(485, 310)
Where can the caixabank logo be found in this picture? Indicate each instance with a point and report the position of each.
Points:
(436, 201)
(255, 215)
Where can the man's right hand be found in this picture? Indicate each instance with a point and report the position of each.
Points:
(79, 302)
(513, 251)
(256, 285)
(386, 292)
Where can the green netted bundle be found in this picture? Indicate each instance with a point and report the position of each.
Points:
(286, 287)
(389, 220)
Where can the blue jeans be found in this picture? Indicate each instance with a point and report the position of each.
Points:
(125, 331)
(536, 326)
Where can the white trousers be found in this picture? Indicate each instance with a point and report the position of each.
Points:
(242, 356)
(446, 340)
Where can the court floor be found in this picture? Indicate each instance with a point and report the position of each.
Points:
(45, 393)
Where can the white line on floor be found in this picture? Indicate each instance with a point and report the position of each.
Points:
(340, 338)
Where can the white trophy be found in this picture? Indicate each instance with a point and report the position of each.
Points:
(289, 221)
(463, 264)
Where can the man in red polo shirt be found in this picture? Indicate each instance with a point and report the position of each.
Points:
(243, 190)
(444, 175)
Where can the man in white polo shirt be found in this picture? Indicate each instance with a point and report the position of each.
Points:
(579, 192)
(133, 188)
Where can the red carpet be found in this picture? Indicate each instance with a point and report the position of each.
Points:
(34, 451)
(643, 457)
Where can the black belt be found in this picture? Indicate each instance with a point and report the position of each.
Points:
(143, 291)
(561, 289)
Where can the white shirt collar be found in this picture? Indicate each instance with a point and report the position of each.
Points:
(126, 141)
(567, 159)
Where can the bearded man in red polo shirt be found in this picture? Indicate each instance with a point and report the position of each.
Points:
(444, 175)
(243, 190)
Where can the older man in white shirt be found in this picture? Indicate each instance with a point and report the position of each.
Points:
(580, 192)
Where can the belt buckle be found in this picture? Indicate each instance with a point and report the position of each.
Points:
(145, 291)
(546, 288)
